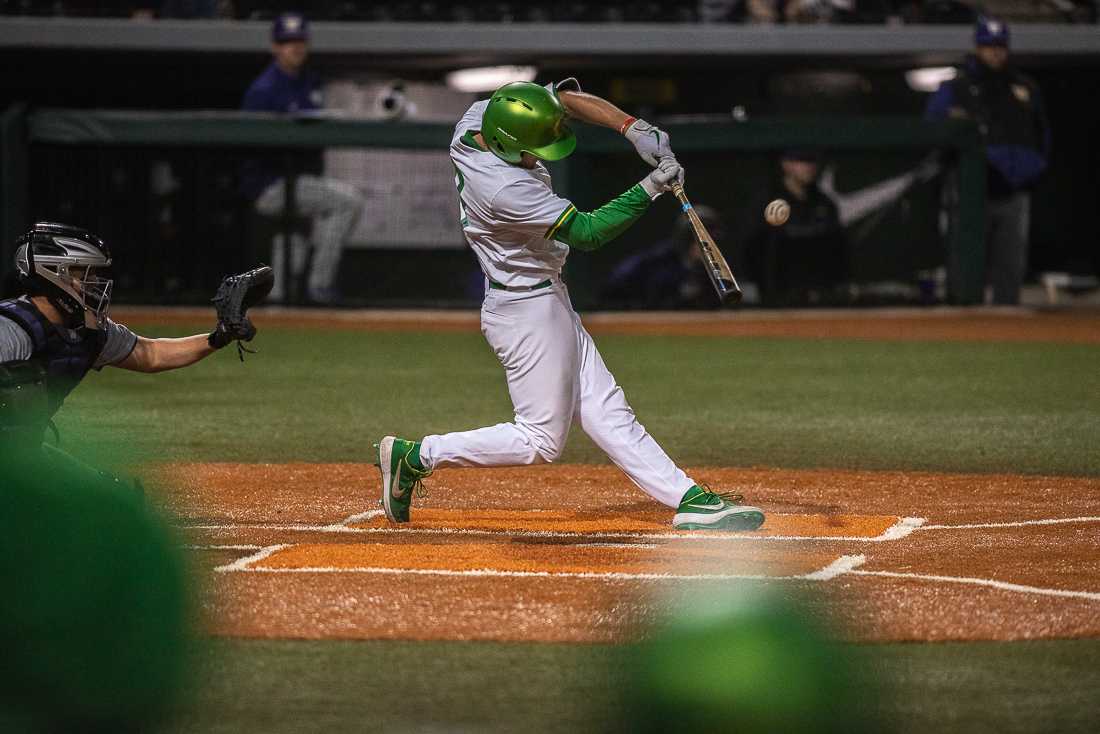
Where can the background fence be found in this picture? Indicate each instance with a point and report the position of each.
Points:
(164, 189)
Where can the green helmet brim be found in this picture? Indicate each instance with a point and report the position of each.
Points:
(558, 149)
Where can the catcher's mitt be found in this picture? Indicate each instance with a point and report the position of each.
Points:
(236, 294)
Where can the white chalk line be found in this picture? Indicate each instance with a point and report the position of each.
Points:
(241, 564)
(1003, 585)
(842, 565)
(1019, 524)
(902, 528)
(839, 567)
(593, 544)
(357, 517)
(338, 527)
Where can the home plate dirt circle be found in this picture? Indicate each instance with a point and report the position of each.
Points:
(300, 551)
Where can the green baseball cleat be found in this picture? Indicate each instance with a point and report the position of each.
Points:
(702, 509)
(399, 477)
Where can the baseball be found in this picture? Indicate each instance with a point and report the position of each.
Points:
(776, 212)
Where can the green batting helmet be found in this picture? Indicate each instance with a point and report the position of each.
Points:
(525, 118)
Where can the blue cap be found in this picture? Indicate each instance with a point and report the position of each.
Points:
(990, 32)
(290, 27)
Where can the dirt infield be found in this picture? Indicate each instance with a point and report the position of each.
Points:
(576, 553)
(937, 324)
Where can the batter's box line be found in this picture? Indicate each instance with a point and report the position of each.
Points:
(241, 564)
(839, 567)
(1002, 585)
(1015, 524)
(900, 529)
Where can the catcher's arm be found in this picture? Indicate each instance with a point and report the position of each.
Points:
(236, 294)
(158, 355)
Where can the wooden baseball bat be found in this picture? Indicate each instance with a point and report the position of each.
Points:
(717, 268)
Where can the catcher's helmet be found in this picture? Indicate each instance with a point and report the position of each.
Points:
(525, 118)
(60, 261)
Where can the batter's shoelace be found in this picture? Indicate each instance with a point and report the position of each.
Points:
(418, 488)
(732, 498)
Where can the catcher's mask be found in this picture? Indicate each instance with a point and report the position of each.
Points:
(60, 262)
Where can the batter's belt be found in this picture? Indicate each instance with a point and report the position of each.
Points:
(520, 288)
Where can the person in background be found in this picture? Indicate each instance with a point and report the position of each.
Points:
(803, 262)
(668, 275)
(286, 86)
(187, 9)
(1008, 109)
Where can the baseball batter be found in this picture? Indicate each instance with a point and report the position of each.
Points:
(522, 232)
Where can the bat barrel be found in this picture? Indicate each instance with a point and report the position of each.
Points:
(726, 287)
(728, 290)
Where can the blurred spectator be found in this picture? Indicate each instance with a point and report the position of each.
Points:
(194, 9)
(804, 261)
(669, 274)
(739, 11)
(574, 11)
(1008, 109)
(853, 206)
(941, 12)
(287, 87)
(816, 11)
(186, 9)
(144, 10)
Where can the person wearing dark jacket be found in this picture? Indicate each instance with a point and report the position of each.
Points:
(1008, 109)
(287, 87)
(803, 262)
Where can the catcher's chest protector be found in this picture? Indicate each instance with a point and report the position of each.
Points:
(24, 404)
(66, 356)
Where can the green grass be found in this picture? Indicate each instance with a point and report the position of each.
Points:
(327, 395)
(295, 686)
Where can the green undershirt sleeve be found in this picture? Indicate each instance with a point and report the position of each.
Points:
(593, 230)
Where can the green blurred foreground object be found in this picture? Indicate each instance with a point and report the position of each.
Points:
(92, 622)
(746, 663)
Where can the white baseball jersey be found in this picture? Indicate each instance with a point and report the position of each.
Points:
(509, 213)
(555, 373)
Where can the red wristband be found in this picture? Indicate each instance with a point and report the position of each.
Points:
(629, 121)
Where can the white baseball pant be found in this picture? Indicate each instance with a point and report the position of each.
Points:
(555, 376)
(334, 206)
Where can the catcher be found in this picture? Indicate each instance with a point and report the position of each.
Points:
(59, 330)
